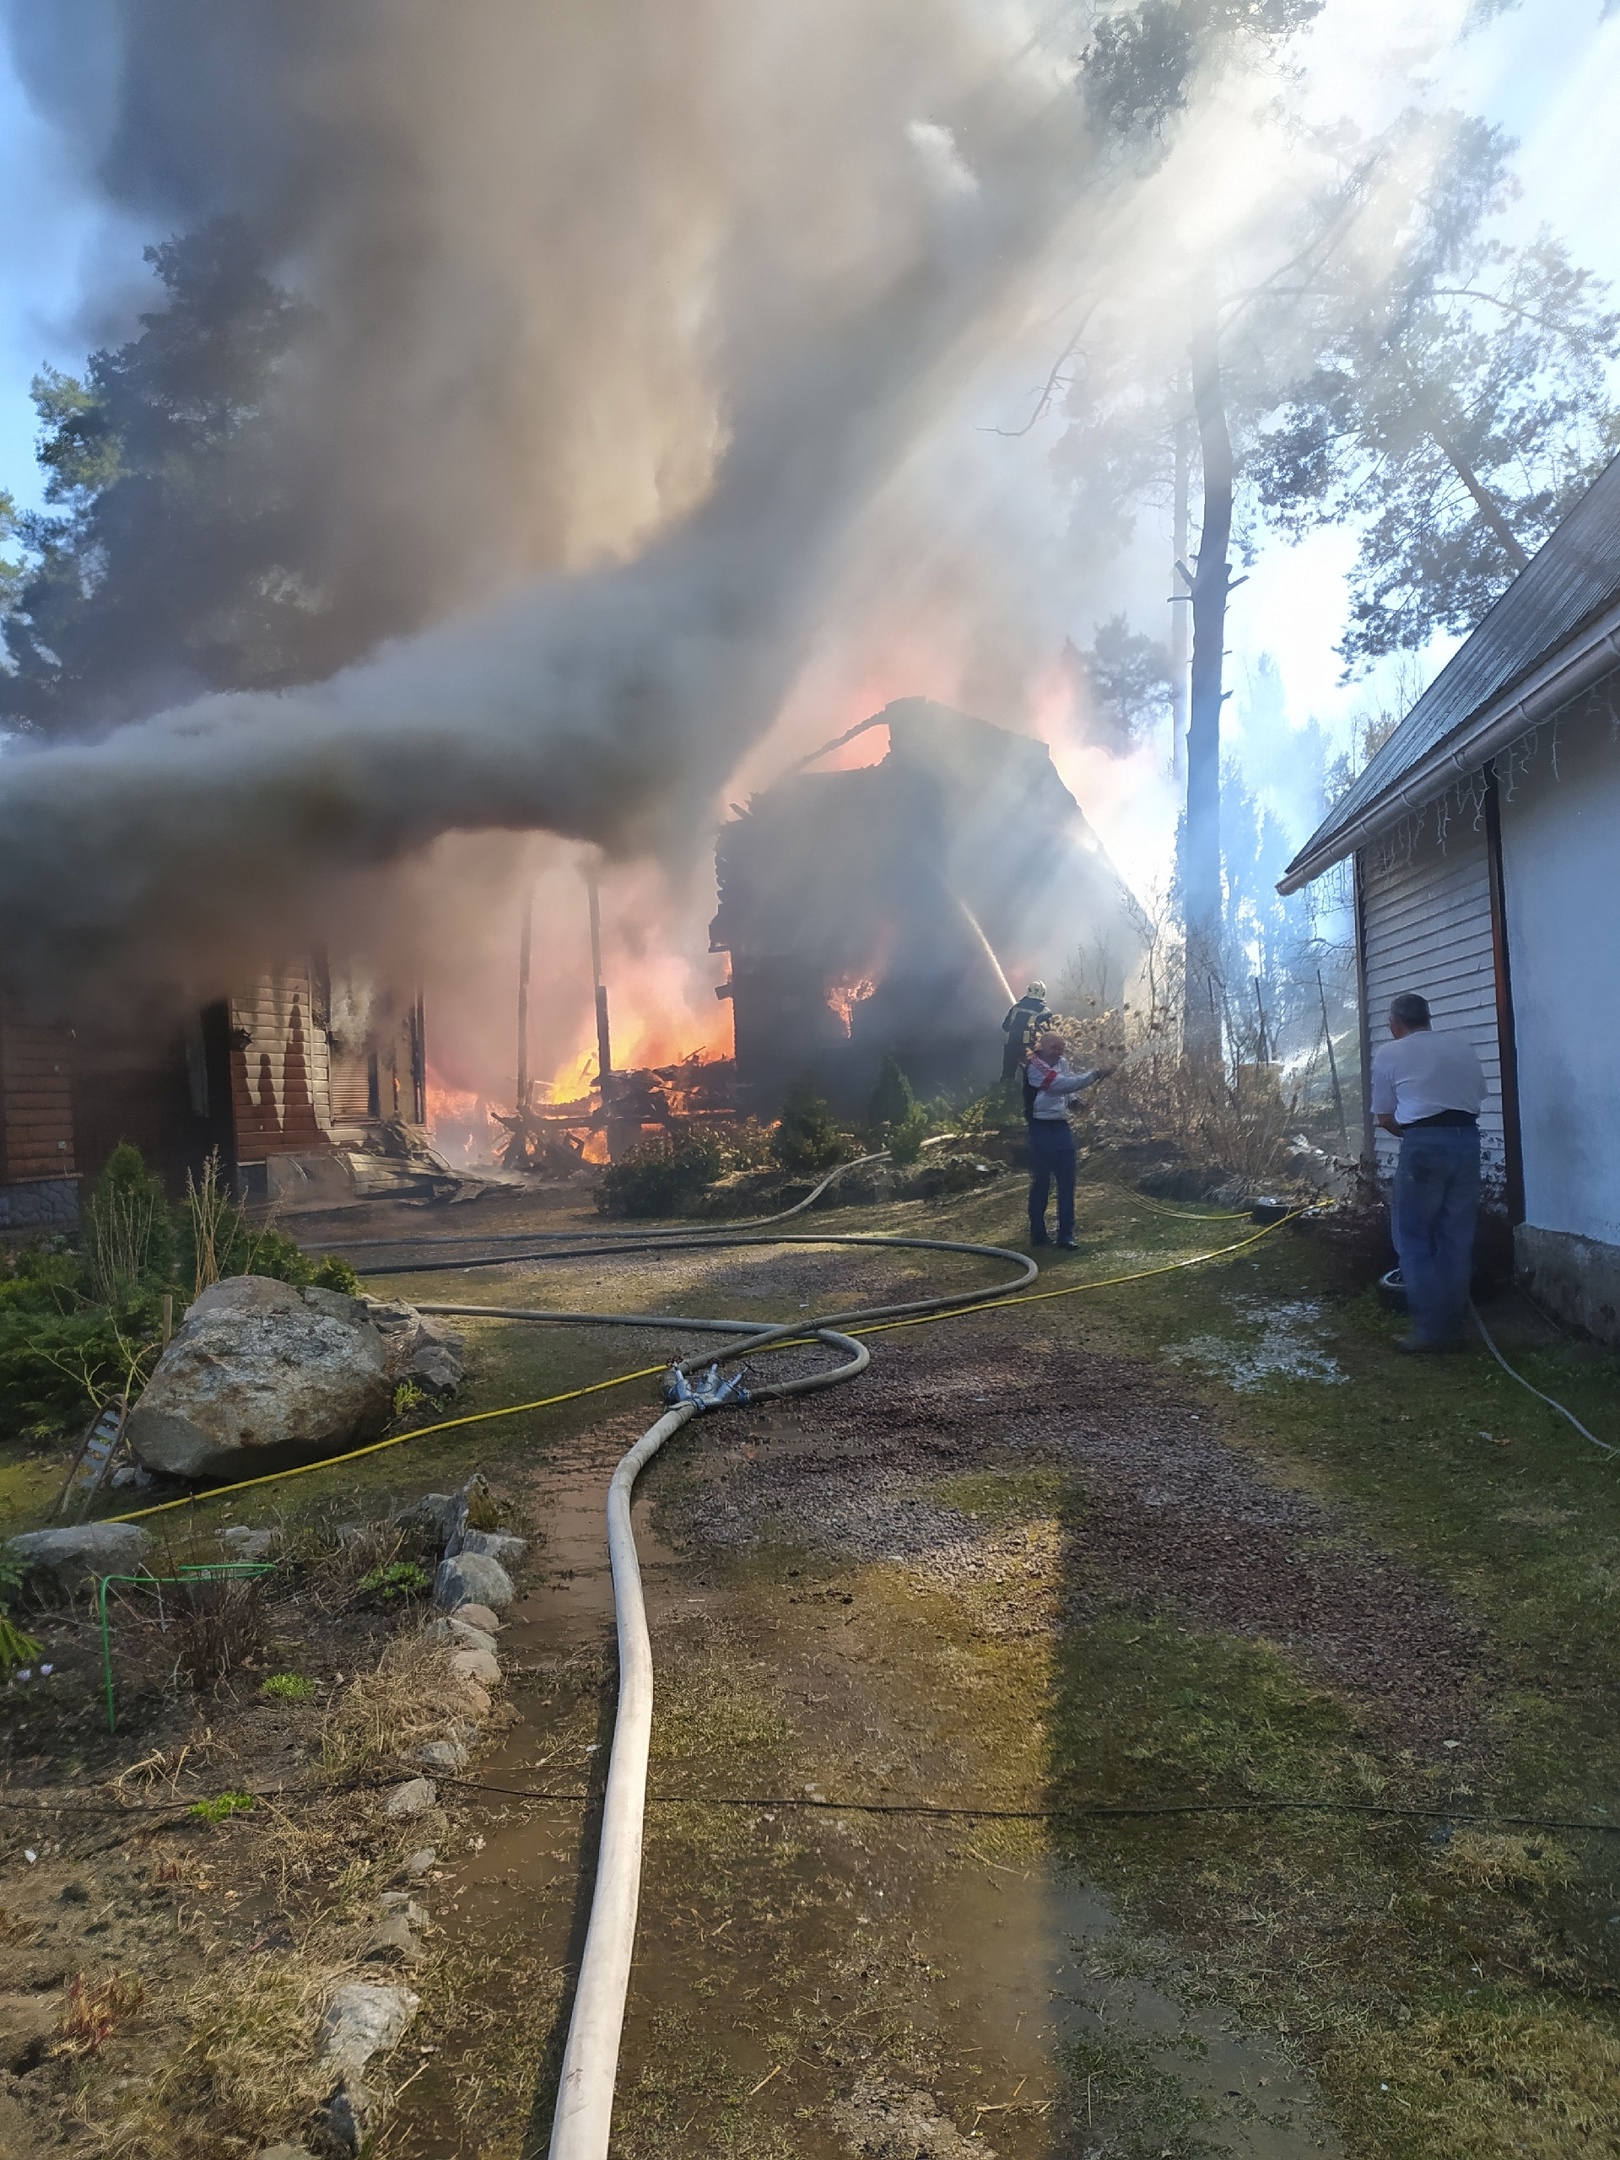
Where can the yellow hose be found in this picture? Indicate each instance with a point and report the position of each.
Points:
(647, 1372)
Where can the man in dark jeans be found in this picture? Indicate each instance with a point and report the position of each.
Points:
(1427, 1089)
(1052, 1085)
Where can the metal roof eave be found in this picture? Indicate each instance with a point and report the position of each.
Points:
(1573, 667)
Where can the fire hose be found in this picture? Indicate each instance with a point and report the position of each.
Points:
(582, 2120)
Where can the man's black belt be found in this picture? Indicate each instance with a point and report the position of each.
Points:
(1441, 1117)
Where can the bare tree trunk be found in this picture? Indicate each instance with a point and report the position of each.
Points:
(1180, 613)
(1201, 855)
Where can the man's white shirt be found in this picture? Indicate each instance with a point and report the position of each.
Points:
(1416, 1076)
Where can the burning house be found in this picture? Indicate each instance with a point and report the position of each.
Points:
(899, 906)
(304, 1083)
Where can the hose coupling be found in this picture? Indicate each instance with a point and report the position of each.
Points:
(711, 1392)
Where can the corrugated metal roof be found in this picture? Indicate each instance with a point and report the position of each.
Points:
(1576, 573)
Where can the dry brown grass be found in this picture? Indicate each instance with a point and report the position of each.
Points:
(219, 1627)
(1226, 1119)
(94, 2009)
(408, 1698)
(244, 2069)
(1501, 1860)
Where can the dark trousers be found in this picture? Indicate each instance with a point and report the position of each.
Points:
(1432, 1213)
(1051, 1155)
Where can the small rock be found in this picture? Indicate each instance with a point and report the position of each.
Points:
(392, 1943)
(455, 1631)
(57, 1562)
(429, 1517)
(412, 1341)
(129, 1473)
(441, 1518)
(471, 1578)
(478, 1616)
(351, 2116)
(286, 2152)
(365, 2018)
(495, 1544)
(476, 1698)
(447, 1755)
(414, 1797)
(481, 1666)
(421, 1863)
(246, 1544)
(401, 1901)
(436, 1369)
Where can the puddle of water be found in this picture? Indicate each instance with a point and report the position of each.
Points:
(1286, 1343)
(828, 1981)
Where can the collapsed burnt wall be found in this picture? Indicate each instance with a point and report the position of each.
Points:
(878, 909)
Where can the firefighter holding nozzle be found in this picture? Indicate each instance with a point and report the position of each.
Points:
(1029, 1018)
(1050, 1086)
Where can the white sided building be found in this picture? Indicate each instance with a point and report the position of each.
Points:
(1485, 839)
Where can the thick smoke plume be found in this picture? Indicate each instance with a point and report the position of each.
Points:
(617, 316)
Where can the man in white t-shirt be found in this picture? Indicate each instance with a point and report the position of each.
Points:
(1051, 1084)
(1427, 1089)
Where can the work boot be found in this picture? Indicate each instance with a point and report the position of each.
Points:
(1039, 1237)
(1069, 1244)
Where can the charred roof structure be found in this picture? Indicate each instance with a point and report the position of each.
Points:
(899, 906)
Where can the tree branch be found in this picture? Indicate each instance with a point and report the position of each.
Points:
(1044, 400)
(1484, 501)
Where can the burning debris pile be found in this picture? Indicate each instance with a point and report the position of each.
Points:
(881, 910)
(619, 1112)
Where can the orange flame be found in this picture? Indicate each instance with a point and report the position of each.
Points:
(842, 999)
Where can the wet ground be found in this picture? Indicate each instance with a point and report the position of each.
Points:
(1191, 1543)
(810, 1980)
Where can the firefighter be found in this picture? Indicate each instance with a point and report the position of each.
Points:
(1021, 1026)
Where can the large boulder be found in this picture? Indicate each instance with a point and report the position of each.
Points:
(259, 1370)
(57, 1562)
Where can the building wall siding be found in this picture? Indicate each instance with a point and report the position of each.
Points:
(36, 1103)
(280, 1074)
(1427, 927)
(1561, 880)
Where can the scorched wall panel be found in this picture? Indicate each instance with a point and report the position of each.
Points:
(280, 1082)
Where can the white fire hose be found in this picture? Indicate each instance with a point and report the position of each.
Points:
(583, 2119)
(590, 2066)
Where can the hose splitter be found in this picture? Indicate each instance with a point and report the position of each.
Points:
(712, 1392)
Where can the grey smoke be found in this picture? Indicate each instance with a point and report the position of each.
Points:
(621, 314)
